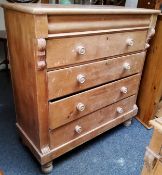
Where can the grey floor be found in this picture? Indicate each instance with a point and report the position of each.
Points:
(119, 151)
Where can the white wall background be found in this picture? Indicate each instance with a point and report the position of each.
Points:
(2, 25)
(131, 3)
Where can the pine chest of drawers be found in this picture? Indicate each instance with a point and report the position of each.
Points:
(75, 71)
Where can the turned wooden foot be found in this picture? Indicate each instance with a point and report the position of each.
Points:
(47, 168)
(128, 123)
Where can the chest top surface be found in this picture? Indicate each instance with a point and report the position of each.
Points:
(74, 9)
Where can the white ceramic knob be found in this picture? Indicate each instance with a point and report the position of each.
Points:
(130, 42)
(124, 89)
(78, 129)
(81, 50)
(119, 110)
(126, 66)
(80, 107)
(81, 78)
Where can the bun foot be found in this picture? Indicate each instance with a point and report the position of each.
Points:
(128, 123)
(47, 168)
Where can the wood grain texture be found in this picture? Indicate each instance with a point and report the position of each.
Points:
(41, 23)
(56, 152)
(64, 110)
(30, 98)
(63, 51)
(80, 23)
(64, 81)
(93, 133)
(158, 4)
(151, 82)
(74, 9)
(151, 165)
(158, 169)
(67, 133)
(39, 49)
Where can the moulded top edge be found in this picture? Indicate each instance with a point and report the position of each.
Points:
(58, 9)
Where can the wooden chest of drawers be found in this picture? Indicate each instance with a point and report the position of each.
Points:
(75, 71)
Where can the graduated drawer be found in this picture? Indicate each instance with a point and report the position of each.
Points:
(76, 106)
(72, 50)
(69, 80)
(85, 127)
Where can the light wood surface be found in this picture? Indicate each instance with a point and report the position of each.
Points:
(158, 169)
(64, 81)
(79, 23)
(152, 157)
(26, 79)
(96, 46)
(56, 152)
(23, 73)
(151, 82)
(74, 9)
(67, 133)
(64, 111)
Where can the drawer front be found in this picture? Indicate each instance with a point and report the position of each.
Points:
(90, 122)
(69, 80)
(72, 50)
(76, 106)
(84, 23)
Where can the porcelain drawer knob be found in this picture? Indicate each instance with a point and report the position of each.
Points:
(126, 66)
(81, 78)
(80, 107)
(81, 50)
(130, 42)
(124, 89)
(119, 110)
(78, 129)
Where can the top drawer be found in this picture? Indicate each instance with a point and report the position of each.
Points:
(73, 50)
(81, 23)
